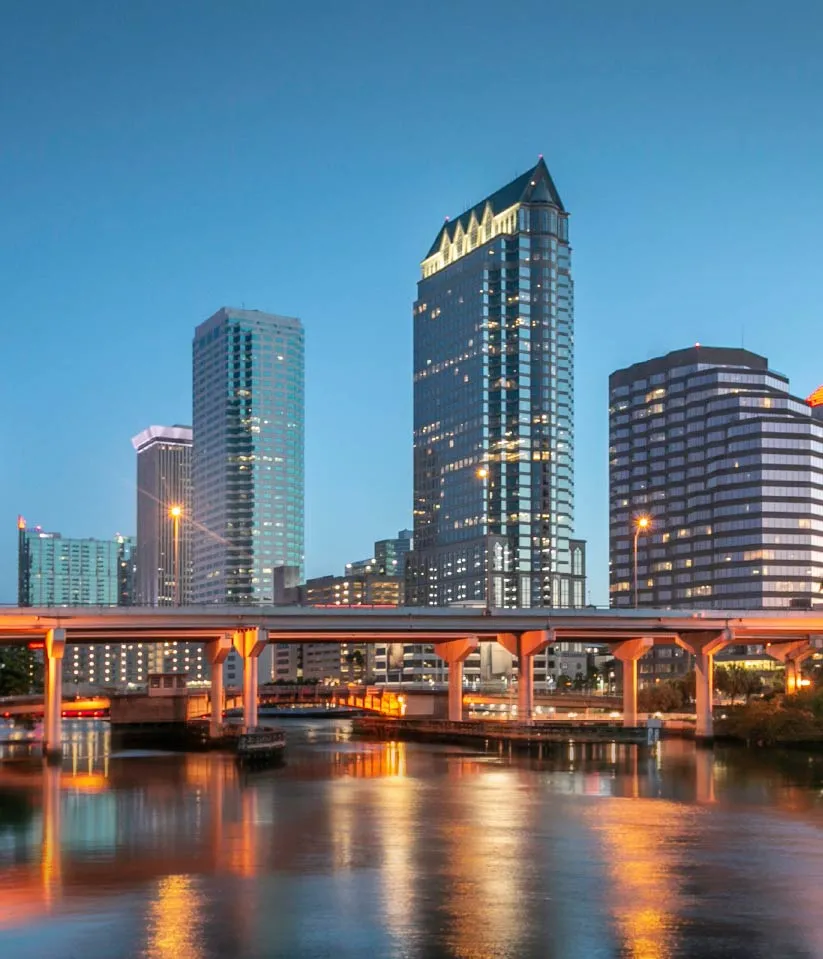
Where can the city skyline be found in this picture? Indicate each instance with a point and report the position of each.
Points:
(670, 243)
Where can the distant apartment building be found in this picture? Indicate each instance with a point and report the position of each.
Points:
(248, 460)
(164, 525)
(58, 571)
(727, 465)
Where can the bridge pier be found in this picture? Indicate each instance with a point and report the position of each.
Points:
(455, 652)
(250, 643)
(525, 646)
(628, 652)
(216, 651)
(791, 655)
(54, 647)
(703, 647)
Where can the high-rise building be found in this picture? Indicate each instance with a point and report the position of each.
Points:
(727, 465)
(56, 571)
(493, 405)
(247, 466)
(164, 504)
(164, 514)
(390, 555)
(493, 409)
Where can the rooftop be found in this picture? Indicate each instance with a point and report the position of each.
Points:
(535, 185)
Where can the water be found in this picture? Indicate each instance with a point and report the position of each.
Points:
(406, 850)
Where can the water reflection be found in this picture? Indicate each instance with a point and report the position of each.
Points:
(403, 849)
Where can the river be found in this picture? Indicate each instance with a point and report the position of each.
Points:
(407, 850)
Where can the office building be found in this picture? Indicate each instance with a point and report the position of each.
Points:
(164, 514)
(58, 571)
(390, 555)
(164, 504)
(727, 465)
(493, 408)
(247, 465)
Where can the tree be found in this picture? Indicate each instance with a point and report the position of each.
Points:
(20, 672)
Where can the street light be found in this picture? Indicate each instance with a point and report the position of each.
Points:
(175, 512)
(483, 474)
(642, 524)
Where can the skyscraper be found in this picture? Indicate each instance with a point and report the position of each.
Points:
(493, 416)
(710, 445)
(55, 571)
(247, 466)
(164, 515)
(493, 406)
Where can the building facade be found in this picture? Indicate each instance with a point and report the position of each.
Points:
(390, 555)
(57, 571)
(335, 662)
(727, 465)
(493, 405)
(248, 460)
(493, 411)
(164, 524)
(247, 466)
(164, 504)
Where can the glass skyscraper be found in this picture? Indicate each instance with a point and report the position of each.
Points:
(493, 416)
(247, 466)
(493, 406)
(711, 445)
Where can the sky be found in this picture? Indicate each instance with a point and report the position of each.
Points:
(160, 160)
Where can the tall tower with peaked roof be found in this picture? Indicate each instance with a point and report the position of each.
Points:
(493, 406)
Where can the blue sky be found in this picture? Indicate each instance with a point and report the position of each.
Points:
(159, 160)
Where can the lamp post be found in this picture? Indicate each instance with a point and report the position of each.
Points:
(483, 474)
(176, 512)
(642, 524)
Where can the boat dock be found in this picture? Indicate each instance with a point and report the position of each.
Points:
(523, 737)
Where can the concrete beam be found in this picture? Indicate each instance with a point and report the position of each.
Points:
(455, 652)
(54, 647)
(216, 652)
(703, 646)
(250, 643)
(628, 652)
(525, 646)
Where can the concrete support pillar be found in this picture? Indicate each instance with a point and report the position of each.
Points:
(54, 646)
(704, 646)
(525, 646)
(628, 651)
(216, 652)
(250, 643)
(455, 652)
(791, 654)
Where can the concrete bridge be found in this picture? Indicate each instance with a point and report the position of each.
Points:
(454, 632)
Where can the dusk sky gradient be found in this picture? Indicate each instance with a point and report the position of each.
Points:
(160, 160)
